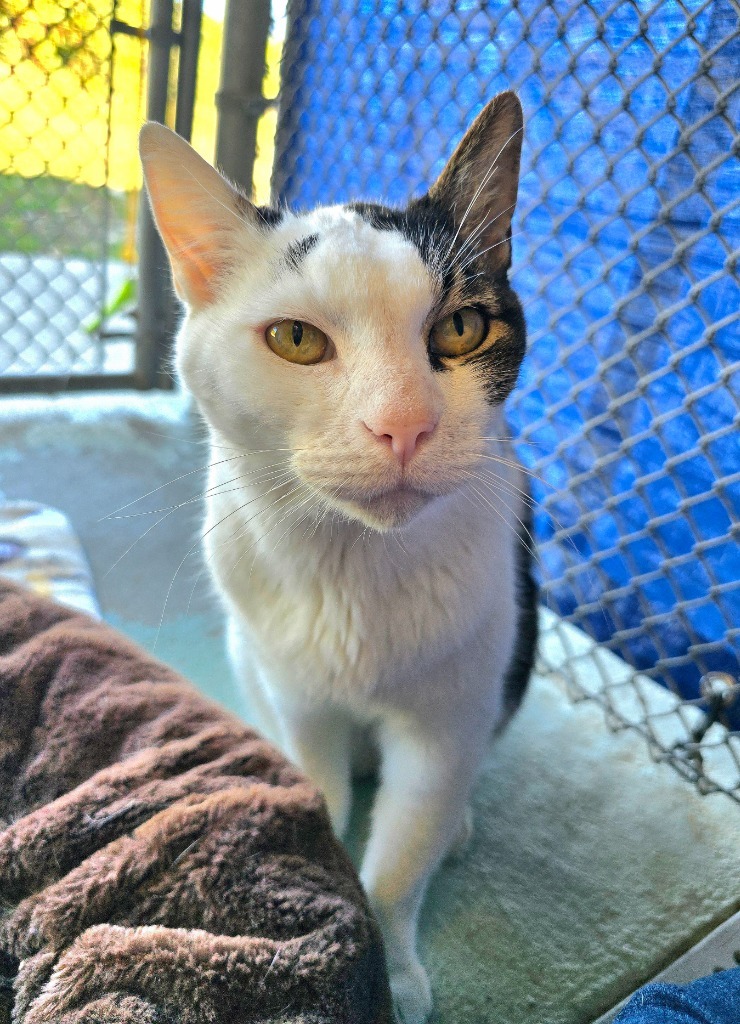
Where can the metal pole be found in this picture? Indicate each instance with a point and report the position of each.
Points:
(187, 71)
(239, 100)
(156, 304)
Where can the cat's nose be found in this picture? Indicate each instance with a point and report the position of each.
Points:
(402, 438)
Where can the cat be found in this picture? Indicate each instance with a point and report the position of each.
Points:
(366, 521)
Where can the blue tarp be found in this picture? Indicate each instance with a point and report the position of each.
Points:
(632, 311)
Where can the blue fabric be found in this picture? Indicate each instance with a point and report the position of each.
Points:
(712, 1000)
(634, 354)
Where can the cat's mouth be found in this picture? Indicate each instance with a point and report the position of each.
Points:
(386, 509)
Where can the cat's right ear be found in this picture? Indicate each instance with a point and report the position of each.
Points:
(198, 213)
(478, 186)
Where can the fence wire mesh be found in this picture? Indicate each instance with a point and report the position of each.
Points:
(627, 237)
(66, 235)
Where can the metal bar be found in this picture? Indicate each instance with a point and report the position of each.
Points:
(161, 34)
(123, 28)
(52, 383)
(156, 304)
(187, 71)
(240, 101)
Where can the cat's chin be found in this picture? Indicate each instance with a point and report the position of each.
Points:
(387, 510)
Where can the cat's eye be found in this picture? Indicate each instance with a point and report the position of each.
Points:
(297, 341)
(459, 333)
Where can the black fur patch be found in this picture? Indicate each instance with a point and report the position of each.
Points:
(527, 630)
(268, 216)
(297, 251)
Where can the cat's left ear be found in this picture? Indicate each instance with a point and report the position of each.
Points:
(478, 186)
(201, 217)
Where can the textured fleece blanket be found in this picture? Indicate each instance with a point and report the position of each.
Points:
(159, 861)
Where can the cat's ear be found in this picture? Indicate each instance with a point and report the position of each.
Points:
(479, 184)
(198, 213)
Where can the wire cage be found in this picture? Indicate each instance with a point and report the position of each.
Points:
(625, 248)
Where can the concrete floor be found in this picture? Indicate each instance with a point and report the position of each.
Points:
(590, 869)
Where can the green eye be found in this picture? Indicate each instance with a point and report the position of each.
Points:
(297, 341)
(459, 333)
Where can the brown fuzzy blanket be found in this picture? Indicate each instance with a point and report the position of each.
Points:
(159, 861)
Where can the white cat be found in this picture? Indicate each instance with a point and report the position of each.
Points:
(365, 517)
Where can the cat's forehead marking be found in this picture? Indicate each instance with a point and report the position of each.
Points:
(298, 250)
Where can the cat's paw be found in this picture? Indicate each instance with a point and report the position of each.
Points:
(412, 994)
(462, 839)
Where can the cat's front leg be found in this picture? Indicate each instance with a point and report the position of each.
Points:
(419, 812)
(262, 713)
(317, 737)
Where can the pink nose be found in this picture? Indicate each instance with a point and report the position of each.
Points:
(402, 438)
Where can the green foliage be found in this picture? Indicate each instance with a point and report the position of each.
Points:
(53, 216)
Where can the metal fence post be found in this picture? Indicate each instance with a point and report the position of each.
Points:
(156, 305)
(187, 70)
(240, 101)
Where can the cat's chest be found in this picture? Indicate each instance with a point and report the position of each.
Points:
(356, 616)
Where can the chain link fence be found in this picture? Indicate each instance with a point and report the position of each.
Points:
(77, 79)
(64, 230)
(627, 236)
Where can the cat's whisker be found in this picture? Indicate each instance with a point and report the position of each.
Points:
(229, 540)
(513, 465)
(201, 439)
(319, 519)
(401, 544)
(474, 499)
(277, 520)
(482, 225)
(146, 533)
(534, 505)
(316, 502)
(489, 504)
(204, 567)
(271, 512)
(494, 491)
(183, 476)
(510, 487)
(474, 236)
(545, 510)
(209, 491)
(355, 542)
(391, 559)
(198, 542)
(511, 440)
(311, 500)
(206, 440)
(522, 492)
(479, 255)
(133, 545)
